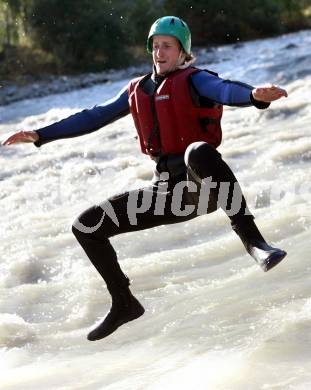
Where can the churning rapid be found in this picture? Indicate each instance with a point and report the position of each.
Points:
(213, 319)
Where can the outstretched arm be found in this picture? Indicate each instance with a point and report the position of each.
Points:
(81, 123)
(234, 93)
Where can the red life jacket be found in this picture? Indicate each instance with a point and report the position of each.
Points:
(168, 121)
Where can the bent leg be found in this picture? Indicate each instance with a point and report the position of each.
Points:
(128, 212)
(135, 210)
(203, 161)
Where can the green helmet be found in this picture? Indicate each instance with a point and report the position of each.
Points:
(171, 25)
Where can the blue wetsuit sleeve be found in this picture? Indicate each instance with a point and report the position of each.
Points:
(226, 92)
(86, 121)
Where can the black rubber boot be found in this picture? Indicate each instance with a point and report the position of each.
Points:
(264, 254)
(125, 307)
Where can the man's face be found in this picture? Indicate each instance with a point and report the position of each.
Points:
(165, 53)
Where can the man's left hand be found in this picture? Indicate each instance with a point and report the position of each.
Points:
(268, 93)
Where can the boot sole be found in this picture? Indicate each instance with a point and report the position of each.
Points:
(273, 260)
(99, 336)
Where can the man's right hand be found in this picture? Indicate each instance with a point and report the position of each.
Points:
(20, 137)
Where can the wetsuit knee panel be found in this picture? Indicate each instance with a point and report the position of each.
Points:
(89, 222)
(198, 155)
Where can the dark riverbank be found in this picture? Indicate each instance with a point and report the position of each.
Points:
(37, 86)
